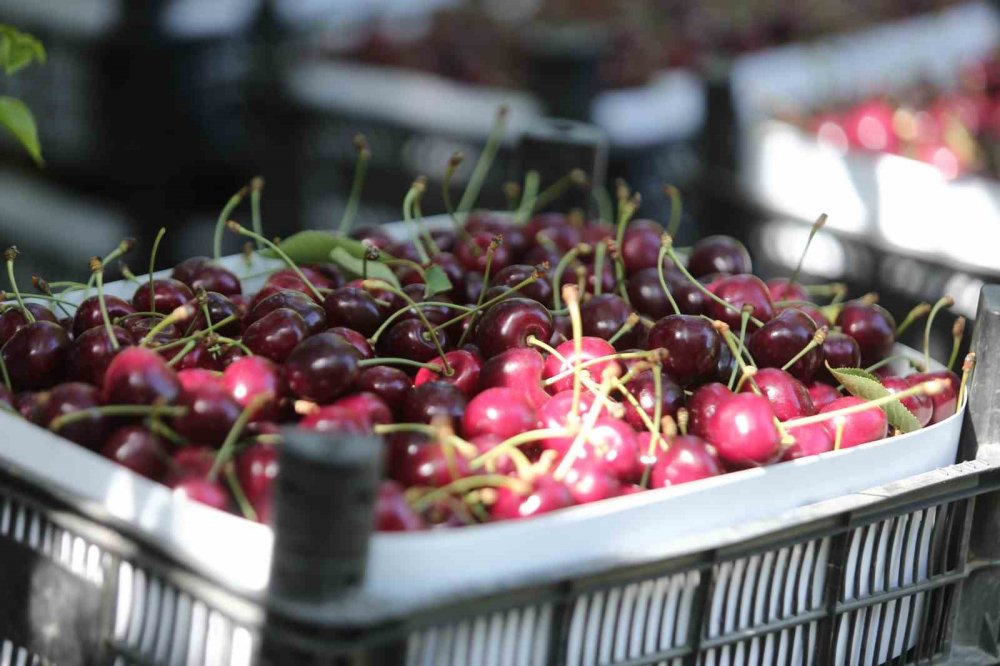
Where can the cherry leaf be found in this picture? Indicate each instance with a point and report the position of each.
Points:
(863, 384)
(375, 270)
(436, 281)
(17, 118)
(314, 246)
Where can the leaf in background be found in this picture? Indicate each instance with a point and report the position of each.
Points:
(18, 49)
(314, 246)
(863, 384)
(437, 281)
(353, 265)
(17, 118)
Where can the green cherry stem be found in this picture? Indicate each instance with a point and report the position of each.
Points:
(957, 332)
(61, 422)
(534, 277)
(185, 350)
(676, 209)
(943, 302)
(467, 483)
(568, 258)
(46, 294)
(748, 371)
(967, 367)
(227, 210)
(817, 225)
(576, 177)
(817, 340)
(660, 260)
(403, 310)
(197, 335)
(482, 167)
(416, 190)
(654, 431)
(256, 189)
(9, 255)
(236, 228)
(6, 376)
(241, 499)
(183, 313)
(226, 450)
(599, 251)
(912, 317)
(40, 297)
(97, 268)
(121, 249)
(357, 184)
(431, 331)
(744, 318)
(605, 208)
(528, 199)
(152, 263)
(630, 322)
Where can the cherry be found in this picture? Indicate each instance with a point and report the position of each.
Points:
(390, 384)
(742, 430)
(435, 399)
(822, 394)
(556, 413)
(588, 481)
(539, 290)
(256, 470)
(276, 334)
(451, 266)
(871, 326)
(166, 296)
(946, 401)
(788, 396)
(509, 324)
(647, 295)
(839, 351)
(337, 419)
(36, 354)
(29, 405)
(137, 449)
(870, 126)
(367, 407)
(778, 341)
(187, 269)
(556, 228)
(502, 464)
(547, 495)
(139, 376)
(323, 276)
(392, 513)
(693, 347)
(519, 369)
(640, 246)
(247, 378)
(739, 291)
(203, 491)
(212, 277)
(814, 312)
(475, 259)
(590, 273)
(139, 327)
(200, 356)
(614, 443)
(88, 314)
(356, 340)
(919, 405)
(465, 368)
(219, 307)
(70, 398)
(590, 348)
(783, 289)
(417, 462)
(643, 388)
(409, 339)
(211, 413)
(810, 440)
(321, 368)
(193, 378)
(312, 314)
(687, 458)
(189, 461)
(13, 319)
(719, 254)
(724, 369)
(498, 411)
(702, 405)
(91, 352)
(861, 427)
(603, 315)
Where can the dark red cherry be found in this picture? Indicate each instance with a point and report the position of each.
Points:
(782, 289)
(367, 407)
(392, 513)
(603, 315)
(509, 323)
(409, 339)
(13, 319)
(692, 344)
(427, 464)
(788, 396)
(872, 327)
(590, 275)
(498, 411)
(353, 308)
(719, 254)
(355, 339)
(640, 247)
(810, 440)
(822, 394)
(647, 295)
(432, 400)
(540, 290)
(451, 266)
(139, 327)
(643, 388)
(36, 354)
(465, 368)
(742, 431)
(88, 314)
(814, 312)
(189, 461)
(211, 413)
(203, 491)
(137, 449)
(778, 341)
(500, 464)
(839, 351)
(70, 398)
(201, 356)
(687, 458)
(256, 470)
(312, 314)
(391, 384)
(547, 495)
(702, 405)
(591, 348)
(472, 253)
(321, 368)
(589, 480)
(554, 227)
(187, 269)
(139, 376)
(519, 369)
(333, 418)
(514, 237)
(944, 402)
(327, 278)
(212, 277)
(740, 291)
(251, 376)
(91, 352)
(167, 295)
(860, 427)
(219, 308)
(919, 405)
(276, 334)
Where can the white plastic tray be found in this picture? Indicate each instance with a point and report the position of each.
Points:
(407, 569)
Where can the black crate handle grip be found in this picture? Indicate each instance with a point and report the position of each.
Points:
(981, 430)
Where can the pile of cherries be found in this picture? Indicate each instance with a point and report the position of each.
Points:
(566, 361)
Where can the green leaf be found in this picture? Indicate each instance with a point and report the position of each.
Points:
(17, 118)
(436, 281)
(376, 269)
(864, 385)
(18, 49)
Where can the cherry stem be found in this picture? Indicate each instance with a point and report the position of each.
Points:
(152, 264)
(226, 450)
(227, 210)
(621, 356)
(676, 209)
(403, 310)
(449, 173)
(818, 338)
(580, 441)
(185, 350)
(358, 182)
(957, 332)
(382, 284)
(930, 387)
(442, 433)
(572, 297)
(61, 422)
(495, 242)
(683, 417)
(943, 302)
(465, 484)
(256, 189)
(41, 297)
(605, 208)
(197, 335)
(424, 231)
(416, 190)
(744, 318)
(403, 262)
(630, 322)
(727, 335)
(839, 435)
(392, 360)
(482, 167)
(891, 359)
(44, 287)
(660, 260)
(237, 228)
(97, 268)
(564, 262)
(626, 209)
(9, 255)
(512, 195)
(655, 430)
(912, 316)
(513, 442)
(667, 242)
(528, 199)
(558, 188)
(121, 249)
(183, 313)
(817, 225)
(534, 277)
(599, 253)
(6, 375)
(968, 365)
(241, 499)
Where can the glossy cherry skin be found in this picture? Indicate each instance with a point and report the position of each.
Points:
(70, 398)
(256, 470)
(603, 315)
(280, 284)
(740, 291)
(872, 327)
(276, 334)
(547, 495)
(406, 339)
(643, 388)
(944, 402)
(189, 461)
(719, 254)
(88, 314)
(810, 440)
(391, 384)
(368, 407)
(556, 227)
(212, 277)
(647, 295)
(200, 356)
(139, 376)
(251, 376)
(514, 237)
(13, 318)
(742, 431)
(814, 312)
(211, 413)
(472, 253)
(219, 307)
(203, 491)
(336, 419)
(702, 405)
(781, 289)
(861, 427)
(687, 458)
(693, 347)
(417, 462)
(509, 323)
(321, 368)
(35, 356)
(839, 351)
(540, 290)
(137, 449)
(193, 378)
(498, 411)
(392, 513)
(919, 405)
(640, 246)
(91, 352)
(433, 400)
(588, 481)
(465, 368)
(354, 339)
(323, 276)
(186, 270)
(778, 341)
(519, 369)
(590, 348)
(613, 442)
(822, 394)
(501, 464)
(166, 296)
(787, 395)
(139, 327)
(312, 314)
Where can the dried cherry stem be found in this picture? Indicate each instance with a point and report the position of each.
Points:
(482, 167)
(226, 450)
(683, 417)
(9, 255)
(431, 330)
(577, 177)
(357, 184)
(817, 225)
(227, 210)
(667, 243)
(957, 332)
(930, 387)
(744, 318)
(534, 277)
(237, 228)
(676, 209)
(660, 260)
(527, 205)
(630, 322)
(465, 484)
(599, 253)
(817, 340)
(391, 319)
(727, 335)
(920, 310)
(943, 302)
(61, 422)
(582, 249)
(968, 365)
(183, 313)
(152, 264)
(97, 268)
